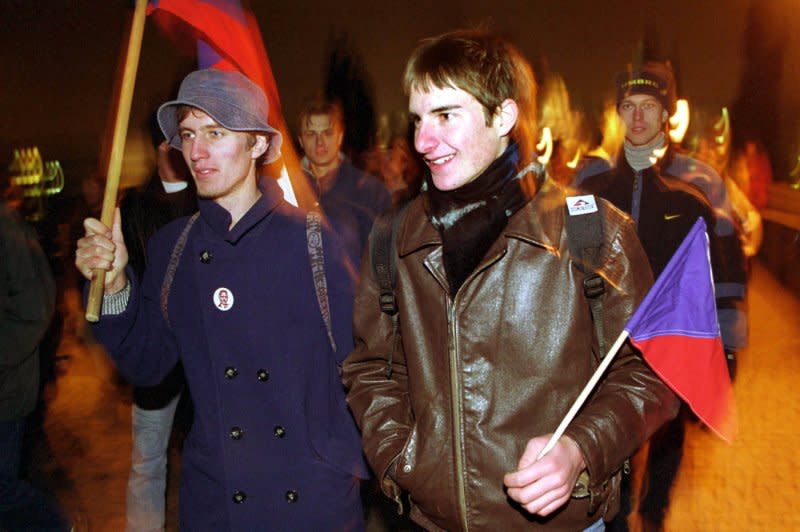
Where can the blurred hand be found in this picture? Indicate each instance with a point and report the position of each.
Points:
(104, 249)
(542, 486)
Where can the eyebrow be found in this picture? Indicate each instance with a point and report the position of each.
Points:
(445, 108)
(201, 128)
(648, 99)
(435, 110)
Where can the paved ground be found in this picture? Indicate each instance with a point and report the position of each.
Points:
(750, 485)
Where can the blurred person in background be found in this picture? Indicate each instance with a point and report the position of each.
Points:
(675, 163)
(400, 170)
(663, 208)
(759, 172)
(349, 198)
(169, 194)
(27, 304)
(714, 148)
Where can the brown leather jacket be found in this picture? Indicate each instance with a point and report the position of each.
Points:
(476, 376)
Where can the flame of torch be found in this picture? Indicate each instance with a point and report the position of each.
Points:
(723, 125)
(545, 146)
(679, 122)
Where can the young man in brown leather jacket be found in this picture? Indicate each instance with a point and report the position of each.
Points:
(495, 333)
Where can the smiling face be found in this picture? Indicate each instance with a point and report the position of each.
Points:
(452, 135)
(644, 118)
(222, 162)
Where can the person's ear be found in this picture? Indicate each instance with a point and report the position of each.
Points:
(664, 116)
(506, 116)
(260, 147)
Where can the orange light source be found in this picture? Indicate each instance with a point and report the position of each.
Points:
(679, 122)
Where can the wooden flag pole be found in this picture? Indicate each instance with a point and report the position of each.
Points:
(95, 300)
(584, 393)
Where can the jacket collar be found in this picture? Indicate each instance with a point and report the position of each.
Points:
(539, 222)
(219, 219)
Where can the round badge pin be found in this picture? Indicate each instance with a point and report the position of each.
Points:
(223, 299)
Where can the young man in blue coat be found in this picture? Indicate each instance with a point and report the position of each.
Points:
(350, 198)
(273, 445)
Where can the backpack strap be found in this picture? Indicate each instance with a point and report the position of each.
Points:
(383, 256)
(317, 258)
(585, 222)
(172, 266)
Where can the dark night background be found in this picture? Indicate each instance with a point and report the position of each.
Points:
(59, 60)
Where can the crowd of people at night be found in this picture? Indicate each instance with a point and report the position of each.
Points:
(397, 352)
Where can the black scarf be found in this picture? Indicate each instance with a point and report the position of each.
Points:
(470, 218)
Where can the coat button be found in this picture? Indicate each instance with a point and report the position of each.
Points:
(280, 432)
(239, 497)
(236, 433)
(231, 372)
(263, 375)
(292, 496)
(206, 256)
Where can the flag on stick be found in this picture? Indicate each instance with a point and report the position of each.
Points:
(677, 331)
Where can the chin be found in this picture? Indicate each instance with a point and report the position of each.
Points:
(641, 140)
(444, 185)
(207, 194)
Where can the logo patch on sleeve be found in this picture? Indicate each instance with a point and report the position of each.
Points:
(577, 205)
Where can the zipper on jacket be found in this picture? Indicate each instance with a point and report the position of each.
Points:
(455, 405)
(636, 197)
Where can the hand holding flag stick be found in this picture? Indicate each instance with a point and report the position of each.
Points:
(95, 299)
(676, 329)
(598, 373)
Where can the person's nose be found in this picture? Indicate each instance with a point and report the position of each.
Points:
(424, 138)
(197, 150)
(638, 113)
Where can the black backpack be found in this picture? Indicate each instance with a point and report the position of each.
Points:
(585, 239)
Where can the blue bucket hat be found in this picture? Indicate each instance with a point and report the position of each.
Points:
(230, 99)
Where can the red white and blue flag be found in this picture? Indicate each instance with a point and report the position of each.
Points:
(677, 331)
(227, 37)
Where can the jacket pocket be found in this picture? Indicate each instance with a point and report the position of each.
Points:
(407, 461)
(607, 497)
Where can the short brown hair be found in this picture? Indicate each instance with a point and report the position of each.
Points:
(487, 66)
(320, 106)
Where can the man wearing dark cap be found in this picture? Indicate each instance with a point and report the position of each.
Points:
(663, 208)
(646, 140)
(231, 294)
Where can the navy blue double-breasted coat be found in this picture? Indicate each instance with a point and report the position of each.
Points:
(273, 445)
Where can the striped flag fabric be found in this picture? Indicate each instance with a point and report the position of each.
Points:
(677, 331)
